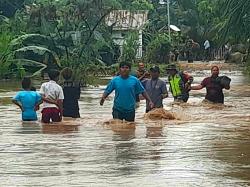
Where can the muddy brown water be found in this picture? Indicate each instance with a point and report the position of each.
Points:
(208, 146)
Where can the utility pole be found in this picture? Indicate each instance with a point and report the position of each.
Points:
(169, 34)
(162, 2)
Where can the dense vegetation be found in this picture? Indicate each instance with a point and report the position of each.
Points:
(73, 33)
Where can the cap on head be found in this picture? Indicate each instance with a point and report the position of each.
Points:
(155, 69)
(171, 67)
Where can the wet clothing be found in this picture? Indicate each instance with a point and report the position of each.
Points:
(70, 102)
(52, 113)
(140, 73)
(28, 100)
(125, 92)
(128, 116)
(214, 90)
(177, 85)
(155, 89)
(51, 90)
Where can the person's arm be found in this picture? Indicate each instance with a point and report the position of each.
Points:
(49, 100)
(37, 105)
(197, 87)
(60, 101)
(190, 79)
(164, 91)
(18, 104)
(42, 93)
(17, 101)
(108, 90)
(78, 92)
(146, 96)
(139, 89)
(60, 106)
(38, 101)
(104, 96)
(143, 76)
(227, 87)
(201, 85)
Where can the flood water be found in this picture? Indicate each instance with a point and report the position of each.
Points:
(208, 146)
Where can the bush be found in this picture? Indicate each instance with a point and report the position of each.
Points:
(158, 49)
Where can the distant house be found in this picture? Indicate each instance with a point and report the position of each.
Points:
(124, 21)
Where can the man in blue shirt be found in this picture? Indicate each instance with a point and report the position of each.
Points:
(126, 88)
(28, 101)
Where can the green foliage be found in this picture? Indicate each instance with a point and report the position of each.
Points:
(141, 5)
(20, 71)
(237, 20)
(158, 49)
(130, 47)
(75, 33)
(5, 54)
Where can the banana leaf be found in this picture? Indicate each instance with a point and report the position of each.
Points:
(23, 53)
(31, 63)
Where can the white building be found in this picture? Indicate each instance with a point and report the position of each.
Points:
(124, 21)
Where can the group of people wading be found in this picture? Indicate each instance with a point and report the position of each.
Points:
(62, 101)
(58, 101)
(127, 87)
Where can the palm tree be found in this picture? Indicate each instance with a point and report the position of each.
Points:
(237, 23)
(237, 20)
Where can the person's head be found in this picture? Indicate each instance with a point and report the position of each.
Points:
(215, 71)
(155, 72)
(171, 69)
(141, 66)
(26, 83)
(125, 68)
(54, 74)
(67, 73)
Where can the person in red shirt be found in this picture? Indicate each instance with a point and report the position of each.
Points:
(214, 85)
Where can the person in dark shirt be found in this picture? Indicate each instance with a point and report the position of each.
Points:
(156, 88)
(141, 74)
(71, 93)
(214, 85)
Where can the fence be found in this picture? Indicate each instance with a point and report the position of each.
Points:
(219, 53)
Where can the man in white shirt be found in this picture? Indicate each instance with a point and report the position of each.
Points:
(52, 95)
(207, 50)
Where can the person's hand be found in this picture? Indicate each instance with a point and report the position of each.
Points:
(188, 86)
(151, 104)
(37, 107)
(60, 116)
(57, 103)
(102, 101)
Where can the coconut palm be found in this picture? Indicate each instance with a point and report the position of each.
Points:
(237, 20)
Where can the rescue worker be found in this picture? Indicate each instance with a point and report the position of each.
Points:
(179, 82)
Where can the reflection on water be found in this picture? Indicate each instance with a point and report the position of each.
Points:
(208, 146)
